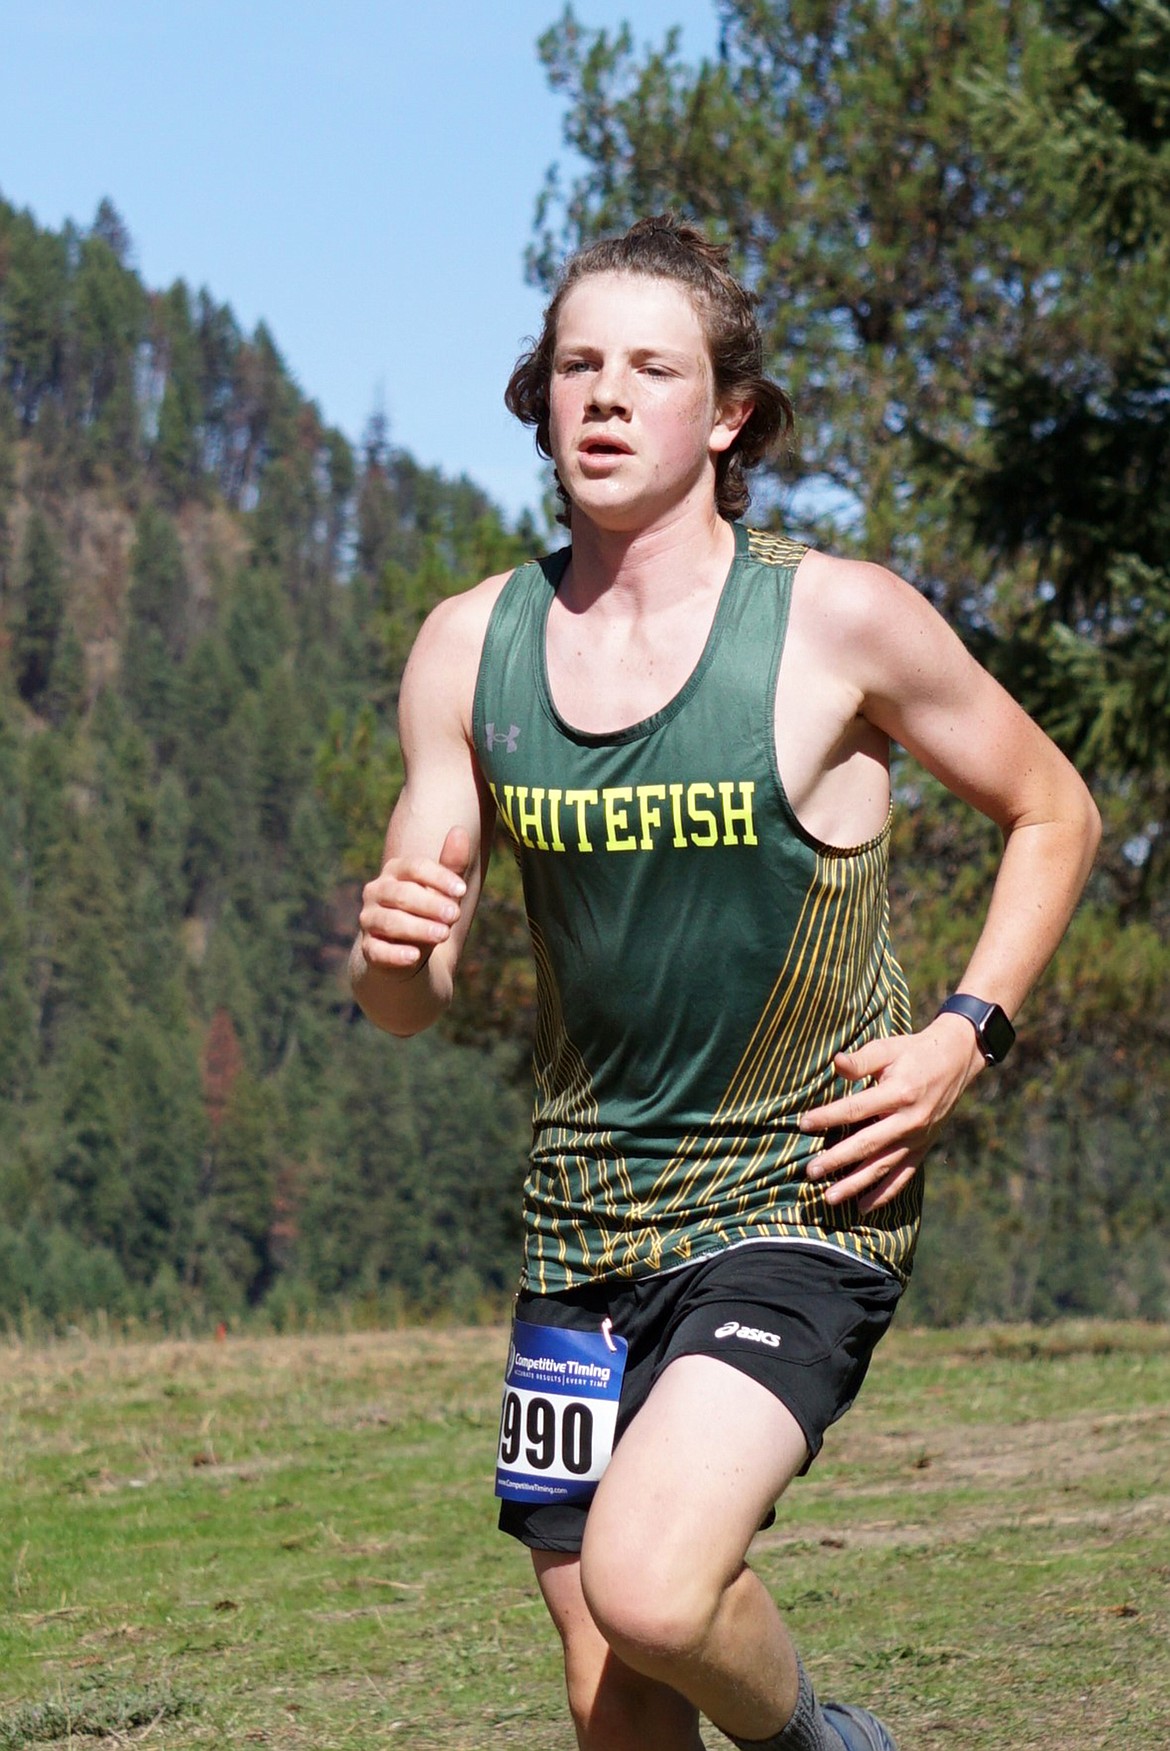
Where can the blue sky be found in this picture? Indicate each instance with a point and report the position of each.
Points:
(360, 175)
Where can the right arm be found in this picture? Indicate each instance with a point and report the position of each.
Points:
(417, 911)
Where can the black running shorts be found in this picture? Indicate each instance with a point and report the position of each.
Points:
(802, 1320)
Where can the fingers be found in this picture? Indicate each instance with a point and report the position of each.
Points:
(413, 904)
(913, 1082)
(876, 1180)
(876, 1146)
(890, 1123)
(868, 1060)
(859, 1108)
(887, 1188)
(862, 1104)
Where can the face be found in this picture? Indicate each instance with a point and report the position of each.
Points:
(634, 425)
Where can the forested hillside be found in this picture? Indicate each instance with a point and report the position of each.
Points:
(956, 216)
(206, 599)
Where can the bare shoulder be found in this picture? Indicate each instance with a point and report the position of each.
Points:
(444, 662)
(878, 629)
(455, 628)
(857, 593)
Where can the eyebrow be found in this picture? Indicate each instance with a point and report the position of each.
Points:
(638, 354)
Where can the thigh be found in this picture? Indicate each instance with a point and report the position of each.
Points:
(802, 1322)
(694, 1475)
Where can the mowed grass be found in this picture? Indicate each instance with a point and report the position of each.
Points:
(289, 1541)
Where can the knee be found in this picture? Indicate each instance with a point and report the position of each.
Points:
(654, 1614)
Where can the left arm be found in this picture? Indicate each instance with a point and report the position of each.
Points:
(920, 686)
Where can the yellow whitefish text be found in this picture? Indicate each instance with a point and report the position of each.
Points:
(629, 817)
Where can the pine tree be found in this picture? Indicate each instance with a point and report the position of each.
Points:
(8, 453)
(242, 1196)
(1074, 480)
(157, 629)
(282, 753)
(221, 1066)
(39, 828)
(87, 1157)
(109, 228)
(162, 1146)
(34, 301)
(109, 324)
(17, 1009)
(65, 698)
(40, 612)
(176, 455)
(160, 591)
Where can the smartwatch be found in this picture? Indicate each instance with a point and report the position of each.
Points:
(993, 1030)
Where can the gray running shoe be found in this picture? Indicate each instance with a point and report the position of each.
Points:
(860, 1730)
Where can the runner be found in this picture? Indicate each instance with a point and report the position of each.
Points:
(684, 725)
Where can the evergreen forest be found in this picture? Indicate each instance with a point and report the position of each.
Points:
(956, 217)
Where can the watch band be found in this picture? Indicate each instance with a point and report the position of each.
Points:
(993, 1030)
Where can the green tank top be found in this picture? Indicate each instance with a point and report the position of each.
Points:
(700, 958)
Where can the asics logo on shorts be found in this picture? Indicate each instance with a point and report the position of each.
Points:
(752, 1333)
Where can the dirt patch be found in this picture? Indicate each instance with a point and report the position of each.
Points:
(1053, 1473)
(1052, 1451)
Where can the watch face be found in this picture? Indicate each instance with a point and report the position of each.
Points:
(998, 1034)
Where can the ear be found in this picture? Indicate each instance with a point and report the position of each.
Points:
(730, 419)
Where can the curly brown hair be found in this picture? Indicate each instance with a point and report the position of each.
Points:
(665, 248)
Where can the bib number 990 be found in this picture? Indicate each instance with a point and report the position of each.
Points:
(559, 1417)
(548, 1436)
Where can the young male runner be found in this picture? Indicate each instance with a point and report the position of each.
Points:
(685, 727)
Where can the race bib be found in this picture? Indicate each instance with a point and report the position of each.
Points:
(557, 1424)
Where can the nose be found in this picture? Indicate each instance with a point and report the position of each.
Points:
(609, 391)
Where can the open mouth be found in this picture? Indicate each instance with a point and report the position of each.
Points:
(604, 447)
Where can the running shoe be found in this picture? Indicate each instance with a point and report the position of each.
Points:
(859, 1730)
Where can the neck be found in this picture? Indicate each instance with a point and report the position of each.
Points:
(663, 560)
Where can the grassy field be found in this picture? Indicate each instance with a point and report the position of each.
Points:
(290, 1542)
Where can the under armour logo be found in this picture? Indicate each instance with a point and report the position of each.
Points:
(508, 737)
